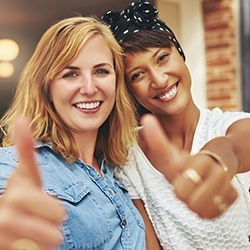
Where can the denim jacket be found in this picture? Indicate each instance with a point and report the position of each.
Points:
(100, 212)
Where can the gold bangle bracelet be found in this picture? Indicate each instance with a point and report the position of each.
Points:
(216, 157)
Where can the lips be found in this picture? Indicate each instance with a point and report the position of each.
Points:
(88, 105)
(169, 94)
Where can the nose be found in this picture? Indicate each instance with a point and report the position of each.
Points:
(88, 86)
(159, 78)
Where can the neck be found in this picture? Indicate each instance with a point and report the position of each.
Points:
(181, 128)
(86, 148)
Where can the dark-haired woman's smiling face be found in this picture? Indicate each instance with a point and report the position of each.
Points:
(159, 79)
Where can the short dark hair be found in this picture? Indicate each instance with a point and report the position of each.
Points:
(144, 39)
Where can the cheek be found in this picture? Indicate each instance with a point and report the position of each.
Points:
(139, 91)
(60, 92)
(186, 73)
(58, 97)
(109, 88)
(54, 91)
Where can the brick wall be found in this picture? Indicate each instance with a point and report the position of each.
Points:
(221, 59)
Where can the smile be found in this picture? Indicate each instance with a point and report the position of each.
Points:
(88, 106)
(168, 94)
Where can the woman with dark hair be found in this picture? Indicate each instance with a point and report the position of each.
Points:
(200, 156)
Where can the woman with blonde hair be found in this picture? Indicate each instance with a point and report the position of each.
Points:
(82, 121)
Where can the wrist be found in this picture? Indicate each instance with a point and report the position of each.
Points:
(216, 158)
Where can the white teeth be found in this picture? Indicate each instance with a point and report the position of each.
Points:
(169, 94)
(91, 105)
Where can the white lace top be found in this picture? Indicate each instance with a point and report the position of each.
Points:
(176, 226)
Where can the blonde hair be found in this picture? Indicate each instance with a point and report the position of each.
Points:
(58, 47)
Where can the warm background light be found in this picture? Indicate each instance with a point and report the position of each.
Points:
(9, 50)
(6, 69)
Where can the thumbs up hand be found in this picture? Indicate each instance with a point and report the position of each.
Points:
(198, 180)
(26, 211)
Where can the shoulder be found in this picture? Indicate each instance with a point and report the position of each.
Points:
(218, 121)
(137, 162)
(213, 123)
(8, 161)
(218, 114)
(8, 153)
(138, 169)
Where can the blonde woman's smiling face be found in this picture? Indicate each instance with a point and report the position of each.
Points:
(83, 93)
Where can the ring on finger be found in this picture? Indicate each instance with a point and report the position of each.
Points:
(219, 204)
(192, 175)
(24, 244)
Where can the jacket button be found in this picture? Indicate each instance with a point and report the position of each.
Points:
(123, 223)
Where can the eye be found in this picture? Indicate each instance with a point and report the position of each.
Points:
(162, 57)
(101, 72)
(136, 76)
(70, 74)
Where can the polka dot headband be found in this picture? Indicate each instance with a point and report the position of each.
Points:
(139, 15)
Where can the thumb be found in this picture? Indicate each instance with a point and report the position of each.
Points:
(162, 154)
(24, 144)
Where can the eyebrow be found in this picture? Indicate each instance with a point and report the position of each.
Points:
(96, 66)
(71, 67)
(154, 55)
(102, 64)
(134, 69)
